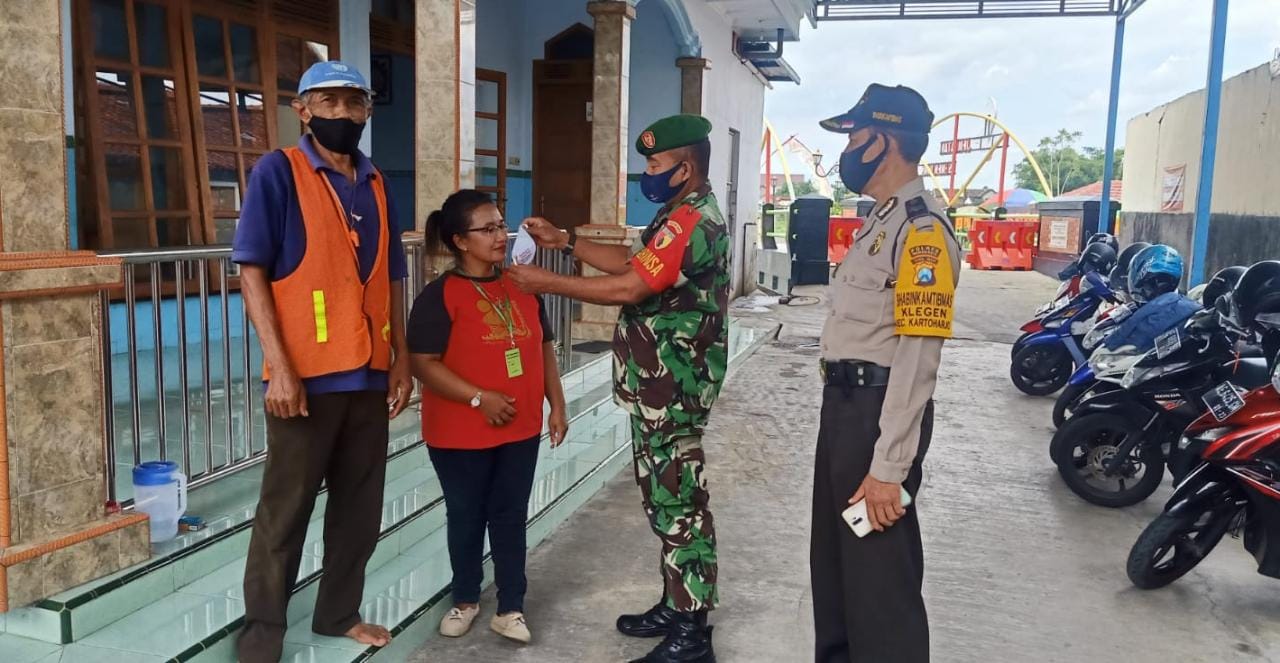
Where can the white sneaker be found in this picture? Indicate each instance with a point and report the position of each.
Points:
(457, 622)
(511, 626)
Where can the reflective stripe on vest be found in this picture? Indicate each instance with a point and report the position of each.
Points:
(330, 321)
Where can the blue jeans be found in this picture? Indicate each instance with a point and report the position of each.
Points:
(488, 488)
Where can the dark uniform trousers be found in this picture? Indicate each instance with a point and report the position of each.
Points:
(343, 443)
(866, 592)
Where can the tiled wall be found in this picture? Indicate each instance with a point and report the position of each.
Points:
(32, 155)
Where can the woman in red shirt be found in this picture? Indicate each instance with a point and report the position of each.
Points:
(483, 351)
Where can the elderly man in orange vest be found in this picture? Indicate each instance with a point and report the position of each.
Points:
(322, 277)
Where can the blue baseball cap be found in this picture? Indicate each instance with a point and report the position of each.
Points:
(897, 107)
(333, 74)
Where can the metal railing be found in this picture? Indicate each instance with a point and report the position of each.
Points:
(182, 366)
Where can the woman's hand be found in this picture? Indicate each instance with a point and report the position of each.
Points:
(558, 425)
(498, 408)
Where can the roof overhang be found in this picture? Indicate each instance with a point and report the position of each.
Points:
(870, 10)
(760, 20)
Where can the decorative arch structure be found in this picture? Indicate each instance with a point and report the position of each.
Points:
(687, 39)
(1008, 132)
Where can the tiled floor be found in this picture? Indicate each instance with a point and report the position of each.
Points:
(203, 591)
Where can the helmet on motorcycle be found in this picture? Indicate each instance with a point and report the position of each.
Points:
(1156, 270)
(1220, 284)
(1118, 279)
(1105, 238)
(1097, 257)
(1126, 256)
(1256, 294)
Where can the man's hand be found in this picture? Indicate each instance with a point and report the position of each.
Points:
(545, 234)
(531, 278)
(399, 387)
(498, 408)
(558, 425)
(285, 396)
(884, 502)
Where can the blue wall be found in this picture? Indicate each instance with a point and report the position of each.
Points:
(509, 37)
(169, 322)
(393, 140)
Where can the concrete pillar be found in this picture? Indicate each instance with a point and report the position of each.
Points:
(609, 112)
(691, 75)
(33, 164)
(444, 145)
(609, 145)
(53, 531)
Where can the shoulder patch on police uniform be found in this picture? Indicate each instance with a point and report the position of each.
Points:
(924, 295)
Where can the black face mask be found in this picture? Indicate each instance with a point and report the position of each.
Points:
(853, 172)
(340, 135)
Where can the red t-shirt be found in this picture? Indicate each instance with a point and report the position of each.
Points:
(451, 318)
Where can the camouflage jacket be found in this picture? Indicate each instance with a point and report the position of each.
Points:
(670, 351)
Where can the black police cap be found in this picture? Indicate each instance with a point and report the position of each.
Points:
(898, 107)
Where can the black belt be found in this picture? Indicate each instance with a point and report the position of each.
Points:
(850, 373)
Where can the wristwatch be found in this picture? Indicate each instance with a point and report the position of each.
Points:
(475, 400)
(573, 239)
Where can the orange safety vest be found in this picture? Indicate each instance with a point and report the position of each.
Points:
(329, 320)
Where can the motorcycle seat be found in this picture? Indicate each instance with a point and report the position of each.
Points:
(1252, 373)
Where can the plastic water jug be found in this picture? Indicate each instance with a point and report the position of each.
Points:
(160, 491)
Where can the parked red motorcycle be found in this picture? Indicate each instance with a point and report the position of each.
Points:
(1236, 488)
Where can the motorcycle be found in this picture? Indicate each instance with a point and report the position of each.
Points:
(1045, 359)
(1067, 291)
(1234, 488)
(1087, 379)
(1114, 450)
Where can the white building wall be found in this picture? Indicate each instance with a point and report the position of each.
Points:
(733, 98)
(1246, 178)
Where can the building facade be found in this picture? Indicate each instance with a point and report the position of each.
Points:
(1161, 171)
(129, 132)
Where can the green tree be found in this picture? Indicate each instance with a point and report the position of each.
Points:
(1065, 166)
(802, 187)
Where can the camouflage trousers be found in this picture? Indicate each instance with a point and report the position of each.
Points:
(669, 471)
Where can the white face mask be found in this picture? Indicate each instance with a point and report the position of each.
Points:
(524, 248)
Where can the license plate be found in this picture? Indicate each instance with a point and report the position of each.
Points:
(1225, 400)
(1168, 343)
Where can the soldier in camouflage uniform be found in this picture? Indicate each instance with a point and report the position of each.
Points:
(670, 354)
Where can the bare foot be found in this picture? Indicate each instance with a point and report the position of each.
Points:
(369, 634)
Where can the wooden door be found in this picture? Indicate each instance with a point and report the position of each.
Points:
(562, 141)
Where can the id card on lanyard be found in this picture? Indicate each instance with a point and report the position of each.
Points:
(503, 309)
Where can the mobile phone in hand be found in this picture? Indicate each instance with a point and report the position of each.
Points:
(856, 516)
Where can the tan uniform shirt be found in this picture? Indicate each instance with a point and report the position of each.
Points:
(860, 326)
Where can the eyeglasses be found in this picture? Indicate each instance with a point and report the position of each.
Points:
(490, 230)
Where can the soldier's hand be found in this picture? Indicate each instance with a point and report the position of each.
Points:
(545, 234)
(884, 502)
(530, 278)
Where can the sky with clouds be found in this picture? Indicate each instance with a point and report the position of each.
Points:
(1043, 74)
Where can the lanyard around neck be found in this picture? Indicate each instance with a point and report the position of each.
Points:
(503, 309)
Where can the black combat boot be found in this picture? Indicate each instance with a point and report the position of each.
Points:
(687, 641)
(656, 621)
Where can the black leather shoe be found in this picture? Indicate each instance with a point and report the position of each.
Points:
(686, 642)
(653, 623)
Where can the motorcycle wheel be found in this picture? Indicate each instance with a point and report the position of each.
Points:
(1017, 345)
(1172, 545)
(1074, 395)
(1040, 370)
(1084, 443)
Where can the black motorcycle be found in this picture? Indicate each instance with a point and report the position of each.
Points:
(1113, 450)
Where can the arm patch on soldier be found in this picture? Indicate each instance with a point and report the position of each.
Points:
(662, 257)
(925, 292)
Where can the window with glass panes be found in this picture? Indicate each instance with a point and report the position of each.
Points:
(491, 134)
(176, 101)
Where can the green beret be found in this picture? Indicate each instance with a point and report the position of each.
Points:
(672, 132)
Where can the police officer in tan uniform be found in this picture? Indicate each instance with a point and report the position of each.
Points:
(891, 308)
